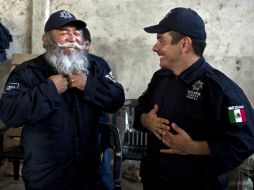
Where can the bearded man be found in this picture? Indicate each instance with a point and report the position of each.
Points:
(57, 98)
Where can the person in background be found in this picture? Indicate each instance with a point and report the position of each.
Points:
(58, 98)
(107, 182)
(5, 39)
(201, 123)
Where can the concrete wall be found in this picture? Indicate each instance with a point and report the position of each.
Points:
(118, 36)
(15, 15)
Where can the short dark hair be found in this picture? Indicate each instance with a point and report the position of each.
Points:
(87, 35)
(198, 45)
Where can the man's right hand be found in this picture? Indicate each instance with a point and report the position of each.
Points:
(155, 124)
(60, 82)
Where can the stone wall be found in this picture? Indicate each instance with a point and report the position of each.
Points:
(16, 16)
(118, 36)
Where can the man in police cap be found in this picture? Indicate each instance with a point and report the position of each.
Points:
(57, 98)
(200, 122)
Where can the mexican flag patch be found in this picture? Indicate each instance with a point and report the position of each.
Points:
(236, 114)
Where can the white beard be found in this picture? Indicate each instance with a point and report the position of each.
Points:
(70, 63)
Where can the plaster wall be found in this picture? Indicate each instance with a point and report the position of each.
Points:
(118, 36)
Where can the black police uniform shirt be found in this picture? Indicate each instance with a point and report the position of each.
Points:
(209, 107)
(57, 128)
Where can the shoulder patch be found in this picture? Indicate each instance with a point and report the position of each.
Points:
(110, 76)
(12, 86)
(237, 114)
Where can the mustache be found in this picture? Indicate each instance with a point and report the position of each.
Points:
(71, 45)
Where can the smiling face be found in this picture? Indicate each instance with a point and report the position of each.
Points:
(65, 50)
(169, 53)
(68, 38)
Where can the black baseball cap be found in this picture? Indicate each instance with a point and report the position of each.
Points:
(183, 20)
(62, 18)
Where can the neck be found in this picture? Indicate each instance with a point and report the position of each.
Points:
(184, 64)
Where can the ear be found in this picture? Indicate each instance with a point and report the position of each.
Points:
(45, 40)
(87, 46)
(186, 44)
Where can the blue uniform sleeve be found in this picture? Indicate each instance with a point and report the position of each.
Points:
(102, 89)
(139, 110)
(22, 102)
(234, 141)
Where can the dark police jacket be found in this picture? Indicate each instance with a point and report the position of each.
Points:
(58, 127)
(209, 107)
(5, 39)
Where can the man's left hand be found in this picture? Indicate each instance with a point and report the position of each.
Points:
(179, 142)
(77, 81)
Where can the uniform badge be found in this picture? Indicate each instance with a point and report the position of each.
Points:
(11, 86)
(111, 77)
(236, 114)
(65, 14)
(194, 94)
(197, 85)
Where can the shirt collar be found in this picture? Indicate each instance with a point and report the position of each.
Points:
(194, 71)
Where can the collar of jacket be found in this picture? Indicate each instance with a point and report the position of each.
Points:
(194, 71)
(190, 74)
(41, 63)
